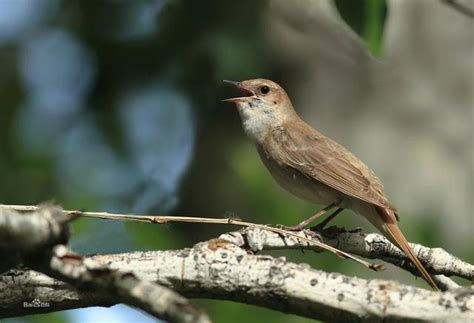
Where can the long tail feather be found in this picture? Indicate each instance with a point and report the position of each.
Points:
(396, 236)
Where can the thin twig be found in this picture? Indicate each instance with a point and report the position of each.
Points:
(160, 219)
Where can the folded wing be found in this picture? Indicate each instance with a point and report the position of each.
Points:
(324, 160)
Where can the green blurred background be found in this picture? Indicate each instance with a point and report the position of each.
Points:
(116, 105)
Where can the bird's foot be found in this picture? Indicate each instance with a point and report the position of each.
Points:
(318, 227)
(300, 228)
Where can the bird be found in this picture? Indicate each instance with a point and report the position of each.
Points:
(312, 166)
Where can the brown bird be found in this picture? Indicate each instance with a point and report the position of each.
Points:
(312, 166)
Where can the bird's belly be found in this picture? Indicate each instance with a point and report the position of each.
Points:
(301, 186)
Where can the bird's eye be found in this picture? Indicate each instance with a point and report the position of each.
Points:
(264, 89)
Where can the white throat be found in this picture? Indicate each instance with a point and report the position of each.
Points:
(257, 120)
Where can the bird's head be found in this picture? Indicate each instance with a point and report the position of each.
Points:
(264, 105)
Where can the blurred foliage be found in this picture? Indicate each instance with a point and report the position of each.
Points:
(57, 317)
(367, 19)
(102, 102)
(375, 16)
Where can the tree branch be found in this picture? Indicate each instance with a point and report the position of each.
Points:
(161, 219)
(35, 233)
(373, 246)
(30, 232)
(222, 270)
(124, 286)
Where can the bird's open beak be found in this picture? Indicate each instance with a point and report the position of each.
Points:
(248, 92)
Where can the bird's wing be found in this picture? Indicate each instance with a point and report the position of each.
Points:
(324, 160)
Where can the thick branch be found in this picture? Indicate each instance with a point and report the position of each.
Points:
(374, 246)
(124, 286)
(35, 235)
(221, 270)
(22, 235)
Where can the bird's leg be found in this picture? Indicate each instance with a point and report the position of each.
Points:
(303, 224)
(320, 226)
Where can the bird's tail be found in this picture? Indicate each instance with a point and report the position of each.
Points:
(395, 235)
